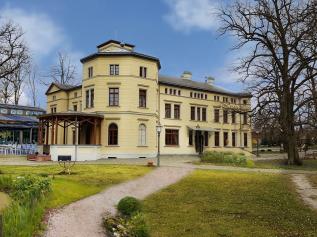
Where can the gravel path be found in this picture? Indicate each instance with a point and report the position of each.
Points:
(307, 192)
(84, 218)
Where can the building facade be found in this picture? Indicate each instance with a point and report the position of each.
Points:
(122, 98)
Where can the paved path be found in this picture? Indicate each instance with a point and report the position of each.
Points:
(84, 218)
(306, 191)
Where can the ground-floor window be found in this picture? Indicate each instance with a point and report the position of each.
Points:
(233, 139)
(171, 137)
(245, 139)
(190, 137)
(206, 138)
(113, 134)
(216, 138)
(142, 135)
(225, 139)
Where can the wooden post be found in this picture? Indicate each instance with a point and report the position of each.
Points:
(94, 131)
(39, 133)
(99, 132)
(52, 134)
(64, 133)
(47, 132)
(56, 129)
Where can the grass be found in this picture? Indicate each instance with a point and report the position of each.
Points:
(281, 164)
(313, 179)
(86, 180)
(4, 201)
(215, 203)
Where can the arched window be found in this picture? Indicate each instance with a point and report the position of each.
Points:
(142, 135)
(113, 134)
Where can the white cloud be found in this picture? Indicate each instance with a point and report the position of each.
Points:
(42, 35)
(186, 15)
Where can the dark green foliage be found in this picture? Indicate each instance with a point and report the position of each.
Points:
(225, 157)
(129, 205)
(137, 226)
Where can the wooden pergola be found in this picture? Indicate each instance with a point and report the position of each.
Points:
(65, 120)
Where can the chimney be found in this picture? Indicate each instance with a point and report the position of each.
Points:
(210, 80)
(186, 75)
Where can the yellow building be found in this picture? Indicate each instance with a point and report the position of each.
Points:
(123, 98)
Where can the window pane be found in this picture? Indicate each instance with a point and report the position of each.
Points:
(176, 111)
(192, 113)
(167, 110)
(216, 138)
(142, 98)
(204, 115)
(171, 137)
(113, 134)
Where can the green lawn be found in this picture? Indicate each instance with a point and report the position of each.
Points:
(280, 164)
(216, 203)
(313, 179)
(86, 180)
(4, 201)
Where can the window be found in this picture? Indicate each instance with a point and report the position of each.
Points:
(205, 96)
(75, 94)
(165, 90)
(190, 137)
(195, 95)
(198, 113)
(216, 114)
(216, 97)
(19, 112)
(233, 100)
(142, 98)
(90, 94)
(176, 111)
(53, 110)
(191, 94)
(206, 138)
(143, 72)
(179, 92)
(204, 115)
(225, 116)
(245, 102)
(4, 111)
(216, 138)
(171, 137)
(233, 116)
(245, 139)
(113, 96)
(245, 118)
(142, 135)
(13, 111)
(225, 99)
(113, 134)
(174, 92)
(114, 69)
(90, 72)
(233, 139)
(54, 97)
(75, 107)
(171, 91)
(225, 139)
(192, 113)
(167, 110)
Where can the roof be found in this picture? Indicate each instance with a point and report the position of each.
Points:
(129, 53)
(63, 87)
(23, 107)
(202, 86)
(71, 114)
(17, 118)
(115, 42)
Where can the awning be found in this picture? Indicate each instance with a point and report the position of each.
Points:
(198, 128)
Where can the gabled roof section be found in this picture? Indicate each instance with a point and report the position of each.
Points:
(128, 53)
(114, 42)
(23, 107)
(63, 87)
(195, 85)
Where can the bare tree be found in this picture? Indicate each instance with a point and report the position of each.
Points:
(6, 91)
(32, 84)
(282, 36)
(64, 72)
(13, 50)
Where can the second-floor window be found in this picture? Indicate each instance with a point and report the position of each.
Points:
(90, 72)
(216, 138)
(75, 107)
(216, 115)
(198, 113)
(225, 116)
(114, 69)
(143, 71)
(176, 111)
(167, 110)
(204, 114)
(192, 113)
(113, 96)
(90, 94)
(233, 116)
(142, 98)
(245, 118)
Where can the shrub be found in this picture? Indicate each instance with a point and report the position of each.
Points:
(129, 205)
(225, 158)
(137, 226)
(6, 183)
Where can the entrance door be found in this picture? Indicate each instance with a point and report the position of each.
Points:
(199, 142)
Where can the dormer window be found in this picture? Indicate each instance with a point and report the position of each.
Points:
(143, 71)
(54, 97)
(114, 69)
(90, 72)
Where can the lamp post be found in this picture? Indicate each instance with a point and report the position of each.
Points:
(158, 130)
(257, 143)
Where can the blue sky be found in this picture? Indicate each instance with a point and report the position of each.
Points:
(181, 33)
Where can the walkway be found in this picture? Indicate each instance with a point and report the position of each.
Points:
(306, 191)
(84, 218)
